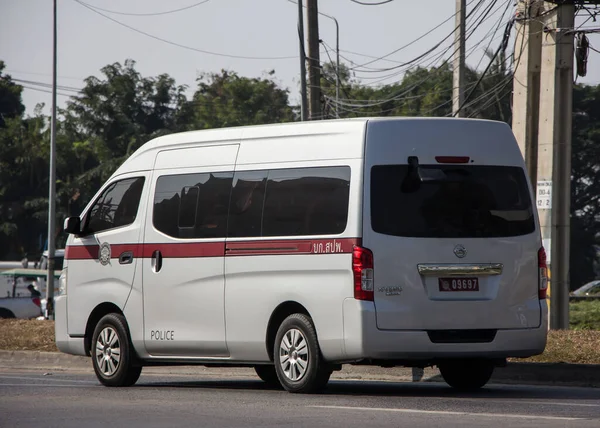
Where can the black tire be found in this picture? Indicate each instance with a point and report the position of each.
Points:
(5, 313)
(316, 372)
(268, 375)
(126, 370)
(467, 375)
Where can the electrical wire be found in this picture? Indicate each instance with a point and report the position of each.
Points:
(179, 44)
(147, 14)
(501, 47)
(431, 50)
(372, 4)
(420, 37)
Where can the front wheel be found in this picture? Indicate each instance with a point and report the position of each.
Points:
(298, 361)
(113, 356)
(467, 375)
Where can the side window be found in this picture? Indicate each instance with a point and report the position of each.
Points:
(117, 206)
(192, 205)
(306, 201)
(246, 206)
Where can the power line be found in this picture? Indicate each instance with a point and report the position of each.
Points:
(372, 4)
(418, 38)
(179, 44)
(422, 55)
(147, 14)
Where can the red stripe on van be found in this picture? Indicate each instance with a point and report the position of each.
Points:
(217, 249)
(82, 252)
(185, 249)
(304, 246)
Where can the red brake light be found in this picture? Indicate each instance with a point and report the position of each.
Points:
(362, 266)
(37, 301)
(543, 274)
(452, 159)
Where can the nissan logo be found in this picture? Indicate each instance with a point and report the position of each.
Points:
(460, 251)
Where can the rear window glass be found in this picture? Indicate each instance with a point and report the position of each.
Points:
(464, 202)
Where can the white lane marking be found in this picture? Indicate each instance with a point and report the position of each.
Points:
(46, 378)
(542, 403)
(447, 413)
(504, 401)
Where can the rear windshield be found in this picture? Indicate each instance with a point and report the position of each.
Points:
(464, 202)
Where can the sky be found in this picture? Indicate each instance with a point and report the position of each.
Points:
(262, 31)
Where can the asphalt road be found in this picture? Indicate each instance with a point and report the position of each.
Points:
(75, 399)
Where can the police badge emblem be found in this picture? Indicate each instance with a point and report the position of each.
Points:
(104, 254)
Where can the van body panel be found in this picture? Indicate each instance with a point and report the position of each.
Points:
(405, 299)
(365, 341)
(95, 273)
(184, 300)
(257, 285)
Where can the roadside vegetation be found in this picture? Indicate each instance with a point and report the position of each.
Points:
(580, 345)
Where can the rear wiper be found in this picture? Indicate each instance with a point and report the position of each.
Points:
(417, 175)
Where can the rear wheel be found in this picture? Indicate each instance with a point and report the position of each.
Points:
(5, 313)
(268, 375)
(298, 361)
(467, 375)
(113, 356)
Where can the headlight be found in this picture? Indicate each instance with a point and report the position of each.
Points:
(62, 283)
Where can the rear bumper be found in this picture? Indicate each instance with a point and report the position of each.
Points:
(363, 340)
(64, 342)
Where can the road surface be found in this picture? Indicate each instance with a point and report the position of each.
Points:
(32, 398)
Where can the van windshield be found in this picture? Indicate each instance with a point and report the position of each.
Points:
(465, 202)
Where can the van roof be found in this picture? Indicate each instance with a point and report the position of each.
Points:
(355, 126)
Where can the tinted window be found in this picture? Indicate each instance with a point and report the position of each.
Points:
(247, 200)
(307, 201)
(465, 201)
(117, 206)
(192, 205)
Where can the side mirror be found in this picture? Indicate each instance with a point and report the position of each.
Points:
(73, 225)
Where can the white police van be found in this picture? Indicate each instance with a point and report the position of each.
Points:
(296, 248)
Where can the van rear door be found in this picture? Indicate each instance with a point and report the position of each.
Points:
(449, 218)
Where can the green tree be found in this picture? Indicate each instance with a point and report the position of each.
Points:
(226, 99)
(585, 184)
(114, 115)
(11, 104)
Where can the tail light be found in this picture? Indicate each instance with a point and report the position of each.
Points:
(362, 266)
(543, 274)
(37, 302)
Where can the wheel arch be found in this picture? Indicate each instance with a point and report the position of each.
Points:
(96, 315)
(280, 313)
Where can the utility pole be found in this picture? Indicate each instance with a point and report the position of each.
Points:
(526, 82)
(303, 102)
(554, 150)
(458, 81)
(314, 62)
(337, 62)
(52, 184)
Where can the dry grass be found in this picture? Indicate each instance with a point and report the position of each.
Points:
(575, 346)
(27, 335)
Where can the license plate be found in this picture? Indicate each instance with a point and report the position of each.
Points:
(458, 284)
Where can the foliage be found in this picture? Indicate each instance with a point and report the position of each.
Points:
(226, 99)
(585, 315)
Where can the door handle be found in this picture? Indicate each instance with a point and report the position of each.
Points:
(126, 258)
(156, 261)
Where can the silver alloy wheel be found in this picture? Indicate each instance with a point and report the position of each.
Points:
(293, 354)
(108, 351)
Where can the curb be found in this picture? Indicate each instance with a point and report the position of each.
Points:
(556, 374)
